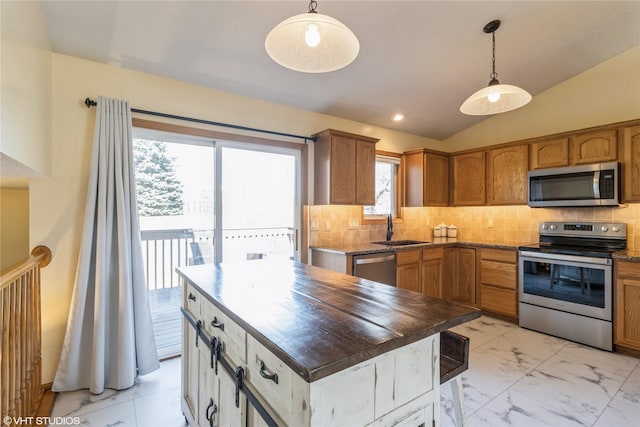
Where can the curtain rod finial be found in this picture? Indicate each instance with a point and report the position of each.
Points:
(90, 102)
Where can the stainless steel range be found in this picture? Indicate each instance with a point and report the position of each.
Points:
(566, 281)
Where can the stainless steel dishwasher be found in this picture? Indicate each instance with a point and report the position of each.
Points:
(379, 267)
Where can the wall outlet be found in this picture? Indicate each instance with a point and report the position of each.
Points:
(489, 222)
(327, 226)
(353, 224)
(314, 226)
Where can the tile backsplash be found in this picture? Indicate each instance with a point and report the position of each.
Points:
(341, 225)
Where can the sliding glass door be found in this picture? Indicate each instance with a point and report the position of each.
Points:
(202, 201)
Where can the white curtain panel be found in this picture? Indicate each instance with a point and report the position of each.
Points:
(109, 339)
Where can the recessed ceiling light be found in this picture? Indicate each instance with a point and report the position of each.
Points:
(398, 117)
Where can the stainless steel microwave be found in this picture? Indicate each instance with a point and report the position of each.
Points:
(586, 185)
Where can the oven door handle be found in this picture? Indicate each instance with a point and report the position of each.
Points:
(558, 258)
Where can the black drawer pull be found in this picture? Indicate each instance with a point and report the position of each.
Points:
(263, 373)
(191, 296)
(217, 324)
(210, 416)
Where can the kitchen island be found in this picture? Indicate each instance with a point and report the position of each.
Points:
(314, 347)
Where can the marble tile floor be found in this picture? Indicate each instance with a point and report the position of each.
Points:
(154, 401)
(521, 378)
(516, 378)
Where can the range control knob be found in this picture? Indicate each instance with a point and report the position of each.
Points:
(545, 226)
(604, 228)
(615, 229)
(553, 226)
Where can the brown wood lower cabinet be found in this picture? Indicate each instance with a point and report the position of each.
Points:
(408, 270)
(498, 281)
(431, 271)
(483, 277)
(459, 275)
(627, 307)
(465, 284)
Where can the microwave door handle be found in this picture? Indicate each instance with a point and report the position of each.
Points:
(596, 185)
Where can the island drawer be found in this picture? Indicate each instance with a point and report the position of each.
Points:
(271, 378)
(219, 325)
(192, 300)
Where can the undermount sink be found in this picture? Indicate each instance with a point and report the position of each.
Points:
(399, 242)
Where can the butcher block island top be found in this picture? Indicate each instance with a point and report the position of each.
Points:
(319, 322)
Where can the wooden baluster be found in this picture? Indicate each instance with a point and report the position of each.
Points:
(4, 357)
(20, 337)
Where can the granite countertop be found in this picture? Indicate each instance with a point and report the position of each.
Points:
(318, 321)
(628, 255)
(369, 248)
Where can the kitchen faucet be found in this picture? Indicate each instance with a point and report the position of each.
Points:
(389, 228)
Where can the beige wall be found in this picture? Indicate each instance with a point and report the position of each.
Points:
(14, 226)
(25, 86)
(606, 93)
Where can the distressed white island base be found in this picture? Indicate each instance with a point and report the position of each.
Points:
(316, 348)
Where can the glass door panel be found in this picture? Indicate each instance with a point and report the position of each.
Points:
(259, 203)
(175, 193)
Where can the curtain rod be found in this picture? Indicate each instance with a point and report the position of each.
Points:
(91, 103)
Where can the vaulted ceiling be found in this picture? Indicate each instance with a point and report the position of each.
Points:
(419, 58)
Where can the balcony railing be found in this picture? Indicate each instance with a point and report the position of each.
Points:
(164, 250)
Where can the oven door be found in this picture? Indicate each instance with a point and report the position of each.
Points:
(574, 284)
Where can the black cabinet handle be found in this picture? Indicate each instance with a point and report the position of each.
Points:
(191, 296)
(217, 324)
(263, 373)
(210, 416)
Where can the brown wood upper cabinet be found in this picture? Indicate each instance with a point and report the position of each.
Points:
(631, 158)
(468, 179)
(507, 175)
(426, 179)
(593, 147)
(344, 172)
(549, 154)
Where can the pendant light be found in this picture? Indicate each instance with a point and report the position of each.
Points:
(495, 98)
(312, 43)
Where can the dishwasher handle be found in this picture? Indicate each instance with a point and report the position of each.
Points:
(361, 261)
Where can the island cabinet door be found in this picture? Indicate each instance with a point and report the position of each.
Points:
(228, 413)
(208, 404)
(190, 364)
(190, 355)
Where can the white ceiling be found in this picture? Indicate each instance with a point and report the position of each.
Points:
(420, 58)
